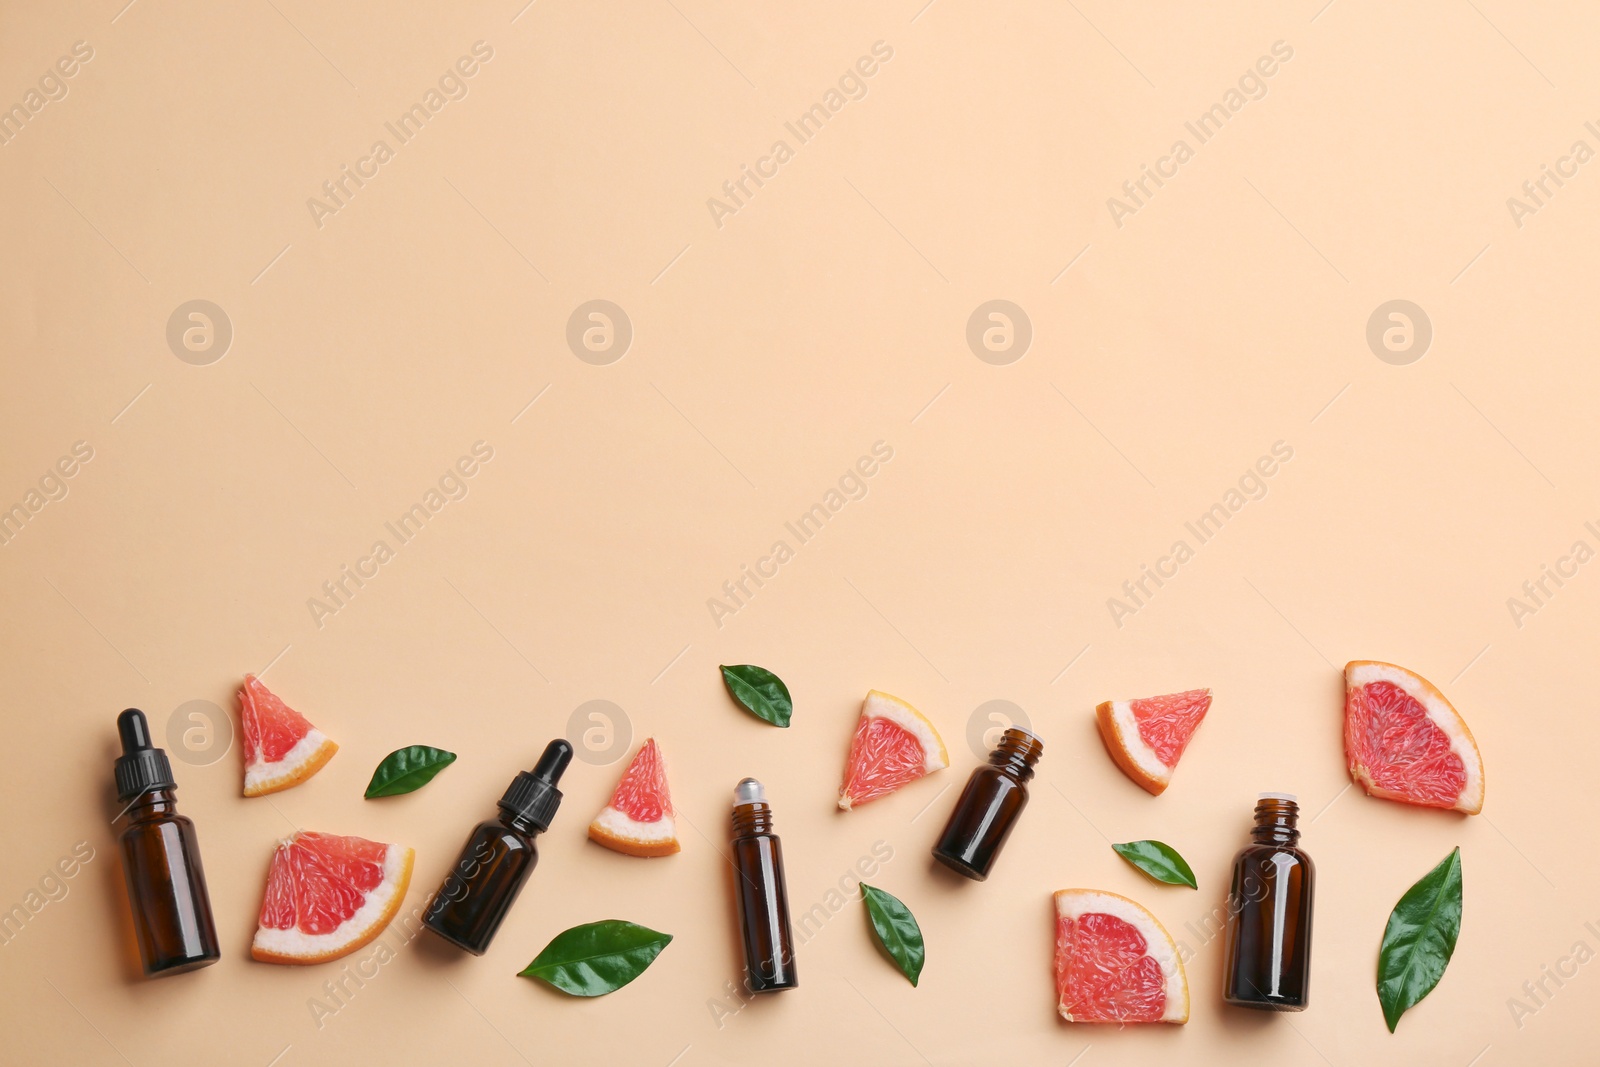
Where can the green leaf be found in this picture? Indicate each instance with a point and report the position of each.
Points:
(762, 693)
(897, 930)
(1159, 860)
(407, 769)
(597, 958)
(1420, 938)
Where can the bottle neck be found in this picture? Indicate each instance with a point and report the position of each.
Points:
(1016, 753)
(1275, 822)
(751, 819)
(155, 804)
(519, 822)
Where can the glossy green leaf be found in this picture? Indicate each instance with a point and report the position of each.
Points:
(597, 958)
(1420, 939)
(897, 930)
(407, 769)
(1159, 860)
(761, 692)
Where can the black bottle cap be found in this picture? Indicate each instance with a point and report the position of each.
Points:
(142, 768)
(533, 795)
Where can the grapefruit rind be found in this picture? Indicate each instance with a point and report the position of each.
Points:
(306, 758)
(1119, 729)
(1159, 946)
(1441, 713)
(296, 947)
(1138, 761)
(616, 830)
(881, 705)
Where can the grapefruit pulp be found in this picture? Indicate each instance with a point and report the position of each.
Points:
(639, 820)
(894, 743)
(1146, 737)
(1115, 963)
(327, 896)
(1404, 741)
(281, 748)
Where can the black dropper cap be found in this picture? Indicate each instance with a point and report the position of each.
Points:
(533, 795)
(142, 768)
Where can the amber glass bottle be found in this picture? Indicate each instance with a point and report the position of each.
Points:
(498, 857)
(160, 859)
(762, 893)
(984, 816)
(1267, 946)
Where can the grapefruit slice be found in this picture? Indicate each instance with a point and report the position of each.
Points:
(894, 744)
(327, 896)
(1405, 742)
(1146, 737)
(639, 819)
(281, 748)
(1115, 963)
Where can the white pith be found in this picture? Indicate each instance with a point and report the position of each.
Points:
(883, 706)
(261, 773)
(1159, 946)
(1144, 757)
(614, 823)
(1440, 713)
(296, 942)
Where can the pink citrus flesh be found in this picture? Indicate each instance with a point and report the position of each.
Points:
(1404, 741)
(281, 747)
(893, 744)
(640, 820)
(1147, 737)
(327, 895)
(1115, 963)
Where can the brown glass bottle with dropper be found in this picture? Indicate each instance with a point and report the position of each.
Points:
(1267, 942)
(499, 856)
(160, 859)
(761, 893)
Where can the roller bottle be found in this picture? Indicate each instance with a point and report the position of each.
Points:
(1267, 943)
(987, 811)
(761, 893)
(160, 859)
(499, 855)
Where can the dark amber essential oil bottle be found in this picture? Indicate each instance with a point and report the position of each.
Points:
(498, 857)
(160, 859)
(1267, 950)
(762, 893)
(984, 816)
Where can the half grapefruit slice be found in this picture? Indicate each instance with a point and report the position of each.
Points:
(894, 744)
(1146, 737)
(639, 819)
(1405, 742)
(327, 896)
(281, 748)
(1115, 963)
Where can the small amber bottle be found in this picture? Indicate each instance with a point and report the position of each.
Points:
(984, 816)
(498, 857)
(1267, 945)
(762, 893)
(160, 859)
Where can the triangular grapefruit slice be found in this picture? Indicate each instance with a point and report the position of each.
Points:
(281, 748)
(894, 744)
(1147, 736)
(639, 821)
(327, 896)
(1115, 962)
(1405, 742)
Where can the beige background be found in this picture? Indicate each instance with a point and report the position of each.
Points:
(828, 313)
